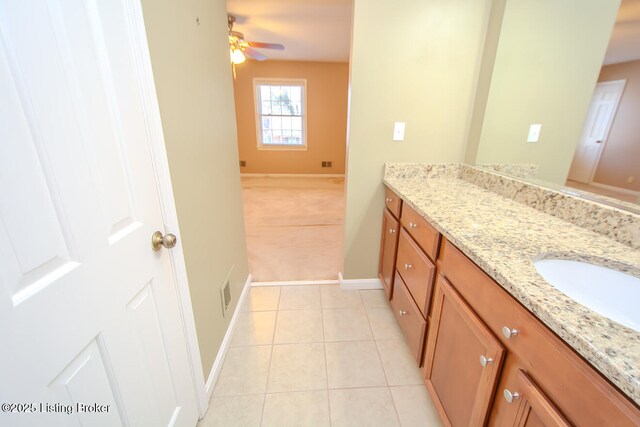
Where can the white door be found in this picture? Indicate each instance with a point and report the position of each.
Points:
(89, 313)
(600, 115)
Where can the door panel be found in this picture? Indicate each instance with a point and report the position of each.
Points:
(91, 309)
(535, 408)
(87, 379)
(600, 115)
(460, 383)
(388, 250)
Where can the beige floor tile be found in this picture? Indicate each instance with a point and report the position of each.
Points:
(374, 298)
(298, 326)
(300, 298)
(245, 411)
(262, 298)
(254, 328)
(244, 371)
(366, 407)
(334, 297)
(297, 367)
(296, 409)
(399, 364)
(384, 324)
(415, 407)
(354, 364)
(346, 324)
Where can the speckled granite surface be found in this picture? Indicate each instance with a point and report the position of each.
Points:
(522, 170)
(503, 236)
(621, 225)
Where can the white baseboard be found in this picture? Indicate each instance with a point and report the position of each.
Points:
(297, 283)
(226, 341)
(292, 175)
(616, 189)
(359, 283)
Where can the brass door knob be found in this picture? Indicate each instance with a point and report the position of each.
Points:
(158, 240)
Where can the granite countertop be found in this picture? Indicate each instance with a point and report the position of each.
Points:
(503, 236)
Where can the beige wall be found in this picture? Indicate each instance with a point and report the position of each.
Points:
(327, 84)
(548, 58)
(195, 92)
(414, 61)
(621, 155)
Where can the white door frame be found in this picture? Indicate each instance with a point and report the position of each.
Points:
(621, 85)
(167, 201)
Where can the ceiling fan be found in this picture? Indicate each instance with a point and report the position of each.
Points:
(240, 48)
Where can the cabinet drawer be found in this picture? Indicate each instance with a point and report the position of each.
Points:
(579, 391)
(392, 202)
(427, 237)
(416, 270)
(409, 318)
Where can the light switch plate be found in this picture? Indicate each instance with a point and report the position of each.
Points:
(534, 133)
(398, 131)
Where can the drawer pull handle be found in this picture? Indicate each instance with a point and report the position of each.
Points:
(508, 332)
(484, 361)
(402, 312)
(509, 396)
(408, 266)
(389, 200)
(392, 230)
(412, 225)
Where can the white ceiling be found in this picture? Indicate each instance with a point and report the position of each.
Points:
(320, 30)
(625, 39)
(310, 30)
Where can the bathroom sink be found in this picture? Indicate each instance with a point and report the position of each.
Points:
(611, 293)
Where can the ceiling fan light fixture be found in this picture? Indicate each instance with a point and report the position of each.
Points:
(237, 57)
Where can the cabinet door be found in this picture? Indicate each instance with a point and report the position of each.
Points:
(534, 408)
(388, 249)
(463, 360)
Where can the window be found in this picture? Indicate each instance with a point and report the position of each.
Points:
(281, 114)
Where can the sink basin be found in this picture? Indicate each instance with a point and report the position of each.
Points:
(611, 293)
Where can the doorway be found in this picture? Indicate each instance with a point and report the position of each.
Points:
(291, 116)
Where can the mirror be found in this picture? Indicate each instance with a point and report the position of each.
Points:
(542, 60)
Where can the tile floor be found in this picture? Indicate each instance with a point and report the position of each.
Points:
(294, 227)
(318, 356)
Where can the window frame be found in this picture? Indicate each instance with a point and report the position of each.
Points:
(257, 82)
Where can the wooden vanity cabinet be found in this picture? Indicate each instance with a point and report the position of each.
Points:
(463, 360)
(559, 379)
(389, 240)
(487, 359)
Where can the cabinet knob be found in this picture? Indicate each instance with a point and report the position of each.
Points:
(484, 361)
(412, 225)
(392, 230)
(402, 312)
(408, 266)
(389, 199)
(509, 396)
(508, 332)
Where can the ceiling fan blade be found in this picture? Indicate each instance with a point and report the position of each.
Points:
(260, 45)
(251, 53)
(237, 34)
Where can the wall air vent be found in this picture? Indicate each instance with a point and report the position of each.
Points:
(225, 295)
